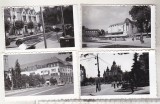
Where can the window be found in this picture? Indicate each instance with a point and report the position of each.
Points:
(34, 18)
(30, 18)
(53, 70)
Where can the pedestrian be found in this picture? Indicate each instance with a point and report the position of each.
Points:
(117, 84)
(96, 81)
(132, 85)
(114, 84)
(141, 39)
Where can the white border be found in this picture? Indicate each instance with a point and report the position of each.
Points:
(48, 97)
(152, 27)
(152, 76)
(75, 23)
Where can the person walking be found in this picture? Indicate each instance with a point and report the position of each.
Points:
(96, 81)
(98, 85)
(114, 84)
(132, 86)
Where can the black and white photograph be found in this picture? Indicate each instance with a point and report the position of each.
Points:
(124, 73)
(117, 26)
(38, 74)
(39, 27)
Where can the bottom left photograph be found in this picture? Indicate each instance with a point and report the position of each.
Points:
(38, 74)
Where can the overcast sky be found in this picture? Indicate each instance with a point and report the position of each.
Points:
(100, 17)
(29, 58)
(106, 59)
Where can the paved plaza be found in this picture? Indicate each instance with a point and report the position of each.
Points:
(128, 43)
(106, 89)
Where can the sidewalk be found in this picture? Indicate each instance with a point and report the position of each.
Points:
(50, 44)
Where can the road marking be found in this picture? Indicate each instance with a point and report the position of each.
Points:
(42, 91)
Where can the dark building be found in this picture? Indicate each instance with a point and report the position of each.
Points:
(113, 74)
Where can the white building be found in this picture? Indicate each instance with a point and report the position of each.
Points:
(60, 70)
(26, 15)
(126, 28)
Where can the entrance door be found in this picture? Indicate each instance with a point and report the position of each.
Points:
(25, 27)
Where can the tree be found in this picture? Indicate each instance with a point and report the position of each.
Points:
(30, 26)
(53, 16)
(69, 58)
(102, 32)
(24, 80)
(68, 14)
(7, 26)
(83, 75)
(18, 75)
(142, 17)
(19, 25)
(140, 69)
(13, 79)
(42, 80)
(39, 25)
(53, 81)
(8, 83)
(57, 30)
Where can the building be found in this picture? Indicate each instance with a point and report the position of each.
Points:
(82, 73)
(49, 68)
(53, 67)
(115, 74)
(126, 28)
(26, 15)
(90, 34)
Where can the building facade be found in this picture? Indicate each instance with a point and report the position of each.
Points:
(49, 68)
(113, 74)
(22, 14)
(54, 67)
(127, 28)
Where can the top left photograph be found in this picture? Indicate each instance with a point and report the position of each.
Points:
(39, 27)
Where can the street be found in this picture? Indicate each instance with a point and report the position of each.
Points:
(46, 90)
(106, 89)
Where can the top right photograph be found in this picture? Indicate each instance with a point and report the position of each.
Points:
(118, 26)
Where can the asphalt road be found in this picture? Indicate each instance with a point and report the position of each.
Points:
(47, 90)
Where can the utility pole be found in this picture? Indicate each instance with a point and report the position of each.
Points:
(98, 66)
(63, 21)
(45, 43)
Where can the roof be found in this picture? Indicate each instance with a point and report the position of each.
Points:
(121, 23)
(67, 64)
(42, 62)
(19, 10)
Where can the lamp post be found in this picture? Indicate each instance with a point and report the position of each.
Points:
(45, 43)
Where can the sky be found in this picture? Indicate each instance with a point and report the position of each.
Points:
(101, 17)
(29, 58)
(106, 59)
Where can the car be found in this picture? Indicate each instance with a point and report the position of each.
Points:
(61, 84)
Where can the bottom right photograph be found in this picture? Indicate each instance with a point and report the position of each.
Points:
(115, 73)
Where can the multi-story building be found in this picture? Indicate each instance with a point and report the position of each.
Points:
(26, 15)
(115, 74)
(57, 69)
(127, 28)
